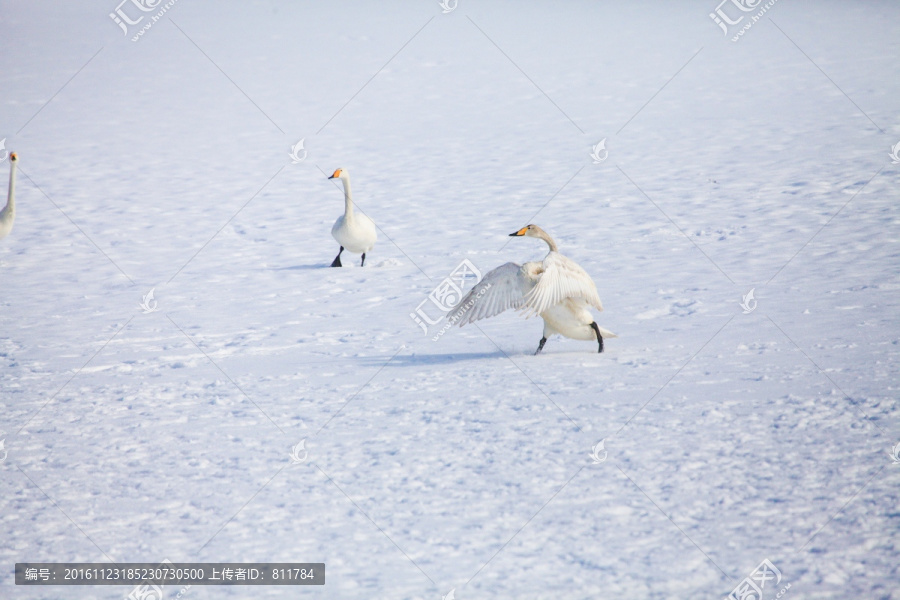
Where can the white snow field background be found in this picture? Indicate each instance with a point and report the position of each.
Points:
(727, 444)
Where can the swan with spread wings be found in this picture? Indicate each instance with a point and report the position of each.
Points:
(557, 289)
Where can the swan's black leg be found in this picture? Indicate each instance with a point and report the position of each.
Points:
(337, 259)
(599, 337)
(541, 346)
(363, 263)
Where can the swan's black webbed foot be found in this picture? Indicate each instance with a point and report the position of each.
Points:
(599, 337)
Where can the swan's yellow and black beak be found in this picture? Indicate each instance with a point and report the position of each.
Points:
(335, 174)
(13, 157)
(519, 232)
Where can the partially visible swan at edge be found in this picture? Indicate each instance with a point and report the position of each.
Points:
(8, 214)
(353, 231)
(557, 289)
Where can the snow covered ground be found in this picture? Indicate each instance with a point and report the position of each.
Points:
(464, 464)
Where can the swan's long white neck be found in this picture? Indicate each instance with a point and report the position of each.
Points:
(546, 237)
(348, 199)
(11, 196)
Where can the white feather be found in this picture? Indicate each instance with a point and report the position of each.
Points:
(561, 278)
(499, 290)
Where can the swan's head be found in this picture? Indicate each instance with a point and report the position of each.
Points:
(13, 157)
(535, 232)
(530, 231)
(339, 174)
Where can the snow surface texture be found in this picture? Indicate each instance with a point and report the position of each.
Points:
(464, 463)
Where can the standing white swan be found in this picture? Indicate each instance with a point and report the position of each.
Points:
(353, 231)
(557, 289)
(8, 214)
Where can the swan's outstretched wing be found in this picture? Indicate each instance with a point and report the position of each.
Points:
(501, 289)
(561, 278)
